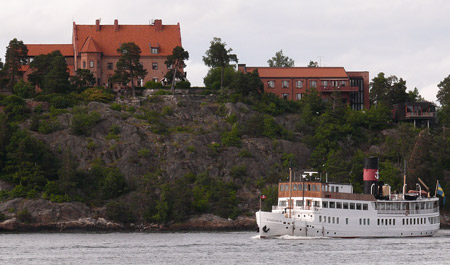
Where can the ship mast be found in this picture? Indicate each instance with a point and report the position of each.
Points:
(290, 190)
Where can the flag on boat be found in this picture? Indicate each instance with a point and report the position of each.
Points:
(263, 197)
(440, 191)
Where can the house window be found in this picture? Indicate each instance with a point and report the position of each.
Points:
(285, 96)
(91, 64)
(84, 64)
(285, 84)
(154, 66)
(298, 96)
(155, 79)
(155, 50)
(343, 83)
(271, 84)
(313, 84)
(141, 82)
(325, 83)
(109, 66)
(299, 84)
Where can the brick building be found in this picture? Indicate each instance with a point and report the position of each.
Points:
(292, 82)
(94, 47)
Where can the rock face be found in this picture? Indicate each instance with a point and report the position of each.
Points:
(26, 215)
(189, 141)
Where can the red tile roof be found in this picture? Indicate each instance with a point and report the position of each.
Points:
(90, 46)
(38, 49)
(108, 39)
(285, 72)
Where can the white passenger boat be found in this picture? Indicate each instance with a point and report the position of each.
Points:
(315, 209)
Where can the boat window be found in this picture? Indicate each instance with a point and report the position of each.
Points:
(364, 221)
(294, 187)
(337, 220)
(365, 206)
(352, 206)
(390, 221)
(339, 205)
(316, 203)
(320, 218)
(332, 188)
(299, 202)
(360, 221)
(332, 204)
(382, 221)
(325, 204)
(300, 187)
(281, 187)
(368, 221)
(333, 220)
(345, 205)
(309, 187)
(313, 187)
(286, 187)
(329, 219)
(393, 221)
(337, 189)
(378, 221)
(358, 206)
(346, 221)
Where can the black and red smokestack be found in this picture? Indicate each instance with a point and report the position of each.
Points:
(371, 175)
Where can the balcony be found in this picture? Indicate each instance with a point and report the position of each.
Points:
(417, 114)
(331, 89)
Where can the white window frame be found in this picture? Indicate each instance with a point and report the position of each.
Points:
(299, 84)
(271, 84)
(284, 84)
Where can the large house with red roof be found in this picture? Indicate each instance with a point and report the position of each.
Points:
(94, 47)
(292, 83)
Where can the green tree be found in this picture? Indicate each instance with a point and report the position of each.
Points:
(388, 91)
(414, 96)
(23, 89)
(176, 62)
(50, 73)
(129, 66)
(279, 60)
(213, 77)
(83, 80)
(16, 56)
(313, 64)
(218, 56)
(248, 84)
(443, 96)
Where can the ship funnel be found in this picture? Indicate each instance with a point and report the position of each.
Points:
(371, 176)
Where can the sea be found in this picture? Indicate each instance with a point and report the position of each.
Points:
(217, 248)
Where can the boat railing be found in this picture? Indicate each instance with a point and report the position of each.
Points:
(407, 211)
(297, 208)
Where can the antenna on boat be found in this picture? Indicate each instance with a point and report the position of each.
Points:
(290, 187)
(404, 178)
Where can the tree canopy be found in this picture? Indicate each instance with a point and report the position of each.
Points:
(129, 66)
(388, 91)
(83, 79)
(313, 64)
(218, 56)
(279, 60)
(16, 55)
(176, 62)
(443, 96)
(50, 73)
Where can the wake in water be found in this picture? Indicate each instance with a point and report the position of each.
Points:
(287, 237)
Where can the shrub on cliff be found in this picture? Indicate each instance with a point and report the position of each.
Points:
(83, 122)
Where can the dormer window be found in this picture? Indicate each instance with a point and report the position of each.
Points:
(155, 50)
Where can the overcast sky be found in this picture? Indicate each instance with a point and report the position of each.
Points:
(406, 38)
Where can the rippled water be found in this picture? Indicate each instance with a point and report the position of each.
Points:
(217, 248)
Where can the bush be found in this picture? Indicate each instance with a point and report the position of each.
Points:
(183, 84)
(83, 122)
(23, 89)
(97, 94)
(232, 138)
(144, 152)
(120, 212)
(116, 106)
(152, 85)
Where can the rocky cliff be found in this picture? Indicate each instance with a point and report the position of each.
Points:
(173, 135)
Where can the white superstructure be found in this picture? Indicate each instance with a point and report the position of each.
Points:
(315, 209)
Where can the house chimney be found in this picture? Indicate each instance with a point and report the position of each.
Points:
(158, 24)
(97, 24)
(116, 25)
